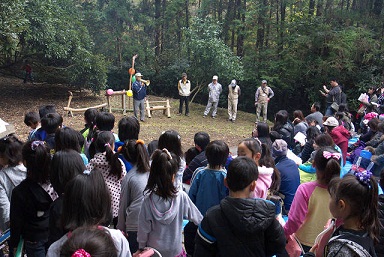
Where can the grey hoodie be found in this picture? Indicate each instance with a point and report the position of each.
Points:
(160, 222)
(131, 198)
(10, 177)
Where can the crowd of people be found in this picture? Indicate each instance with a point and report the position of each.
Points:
(97, 193)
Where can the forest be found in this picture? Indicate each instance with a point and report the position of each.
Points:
(297, 45)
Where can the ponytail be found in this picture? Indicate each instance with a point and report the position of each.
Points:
(327, 164)
(332, 169)
(360, 191)
(163, 169)
(142, 157)
(369, 218)
(134, 151)
(267, 161)
(266, 157)
(114, 162)
(103, 143)
(38, 161)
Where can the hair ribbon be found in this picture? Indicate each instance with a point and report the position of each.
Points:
(328, 155)
(87, 172)
(364, 177)
(107, 144)
(140, 142)
(165, 150)
(81, 253)
(35, 144)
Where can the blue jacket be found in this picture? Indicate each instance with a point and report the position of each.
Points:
(139, 91)
(290, 179)
(207, 188)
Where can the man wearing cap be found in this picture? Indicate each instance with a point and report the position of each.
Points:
(262, 96)
(339, 134)
(139, 94)
(289, 172)
(214, 94)
(233, 98)
(184, 87)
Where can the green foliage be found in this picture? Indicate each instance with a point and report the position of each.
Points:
(209, 54)
(295, 46)
(12, 24)
(89, 71)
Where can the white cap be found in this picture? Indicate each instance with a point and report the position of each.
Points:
(233, 82)
(138, 74)
(264, 81)
(331, 122)
(215, 77)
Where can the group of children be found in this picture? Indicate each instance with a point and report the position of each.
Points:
(97, 193)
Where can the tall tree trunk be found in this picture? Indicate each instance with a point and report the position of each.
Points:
(377, 7)
(220, 11)
(240, 36)
(228, 26)
(187, 13)
(157, 28)
(319, 8)
(260, 27)
(158, 35)
(268, 27)
(311, 9)
(283, 6)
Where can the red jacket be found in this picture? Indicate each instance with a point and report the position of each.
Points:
(340, 136)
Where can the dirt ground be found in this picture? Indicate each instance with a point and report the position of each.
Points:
(18, 98)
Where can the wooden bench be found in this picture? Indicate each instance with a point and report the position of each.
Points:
(71, 110)
(158, 105)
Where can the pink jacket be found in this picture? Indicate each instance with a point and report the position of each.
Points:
(263, 183)
(340, 136)
(309, 212)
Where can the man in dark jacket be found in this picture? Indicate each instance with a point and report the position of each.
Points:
(240, 226)
(332, 96)
(139, 94)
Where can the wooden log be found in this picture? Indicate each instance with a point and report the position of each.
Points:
(70, 109)
(148, 108)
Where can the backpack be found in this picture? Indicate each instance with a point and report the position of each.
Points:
(344, 247)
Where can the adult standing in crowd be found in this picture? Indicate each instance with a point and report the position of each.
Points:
(233, 98)
(215, 90)
(332, 96)
(139, 94)
(262, 96)
(184, 87)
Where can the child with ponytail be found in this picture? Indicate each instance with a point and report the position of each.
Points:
(309, 210)
(353, 200)
(111, 167)
(269, 177)
(132, 188)
(164, 207)
(31, 200)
